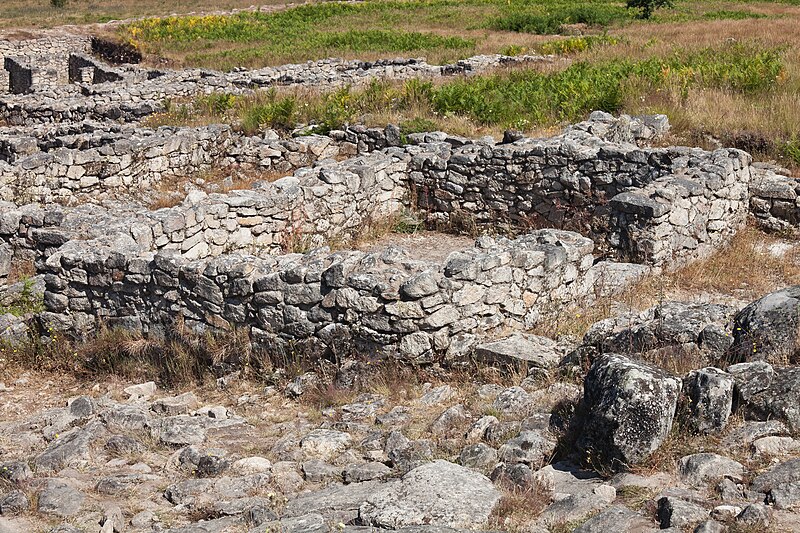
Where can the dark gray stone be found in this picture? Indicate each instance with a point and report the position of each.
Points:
(15, 502)
(616, 518)
(629, 410)
(710, 393)
(767, 328)
(674, 512)
(777, 476)
(59, 498)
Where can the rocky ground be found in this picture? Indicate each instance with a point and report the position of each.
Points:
(538, 444)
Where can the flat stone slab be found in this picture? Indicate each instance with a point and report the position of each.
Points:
(520, 350)
(434, 494)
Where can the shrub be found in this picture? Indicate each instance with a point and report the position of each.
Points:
(26, 302)
(417, 125)
(646, 7)
(217, 103)
(513, 50)
(59, 4)
(269, 110)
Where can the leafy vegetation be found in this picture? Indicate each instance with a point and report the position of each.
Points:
(621, 64)
(552, 19)
(645, 8)
(574, 45)
(28, 301)
(442, 30)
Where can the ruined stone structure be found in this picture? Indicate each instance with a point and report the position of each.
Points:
(276, 262)
(70, 181)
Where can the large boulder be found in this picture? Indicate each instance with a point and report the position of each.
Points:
(335, 502)
(667, 325)
(710, 393)
(767, 329)
(616, 518)
(435, 494)
(768, 393)
(702, 469)
(778, 476)
(629, 408)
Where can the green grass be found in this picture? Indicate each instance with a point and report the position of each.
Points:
(525, 98)
(551, 19)
(27, 302)
(298, 34)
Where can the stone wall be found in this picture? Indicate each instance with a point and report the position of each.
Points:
(88, 161)
(639, 204)
(83, 69)
(46, 56)
(387, 303)
(775, 200)
(644, 205)
(219, 260)
(20, 77)
(332, 201)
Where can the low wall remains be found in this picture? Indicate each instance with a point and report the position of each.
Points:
(385, 303)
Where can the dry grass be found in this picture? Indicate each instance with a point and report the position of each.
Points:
(21, 269)
(745, 269)
(734, 119)
(18, 14)
(517, 507)
(171, 192)
(181, 356)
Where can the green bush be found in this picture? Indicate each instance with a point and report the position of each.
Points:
(645, 8)
(217, 103)
(59, 4)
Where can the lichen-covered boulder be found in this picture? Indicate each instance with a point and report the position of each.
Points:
(710, 394)
(668, 324)
(768, 393)
(629, 408)
(767, 329)
(435, 494)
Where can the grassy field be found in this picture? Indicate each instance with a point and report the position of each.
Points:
(24, 14)
(441, 30)
(724, 71)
